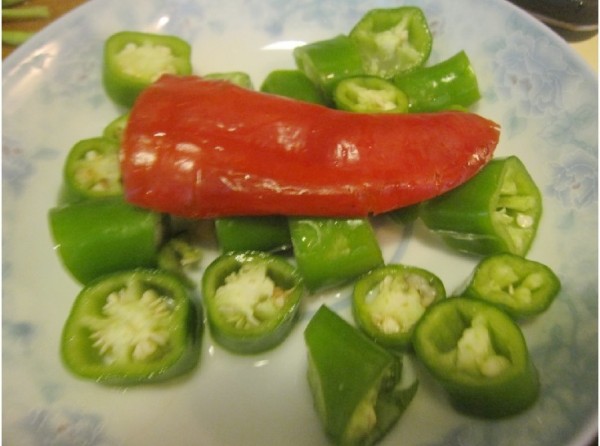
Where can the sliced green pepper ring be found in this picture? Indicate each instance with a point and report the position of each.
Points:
(252, 300)
(92, 170)
(369, 94)
(392, 41)
(519, 286)
(387, 302)
(132, 327)
(498, 210)
(478, 354)
(133, 60)
(115, 129)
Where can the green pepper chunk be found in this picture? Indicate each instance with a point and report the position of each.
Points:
(177, 256)
(92, 170)
(235, 77)
(498, 210)
(479, 356)
(133, 60)
(521, 287)
(270, 233)
(451, 84)
(116, 128)
(387, 302)
(357, 386)
(369, 94)
(98, 237)
(252, 300)
(332, 251)
(392, 40)
(405, 215)
(326, 62)
(132, 327)
(292, 84)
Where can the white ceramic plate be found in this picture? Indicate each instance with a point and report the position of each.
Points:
(544, 97)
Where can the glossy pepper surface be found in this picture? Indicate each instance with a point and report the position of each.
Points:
(496, 211)
(267, 233)
(387, 302)
(356, 384)
(97, 237)
(479, 356)
(188, 151)
(520, 286)
(333, 251)
(132, 327)
(251, 299)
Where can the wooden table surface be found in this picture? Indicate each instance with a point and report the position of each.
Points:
(587, 47)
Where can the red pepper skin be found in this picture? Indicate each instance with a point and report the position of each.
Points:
(208, 148)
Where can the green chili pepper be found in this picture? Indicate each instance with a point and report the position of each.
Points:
(357, 385)
(519, 286)
(451, 84)
(133, 60)
(405, 215)
(97, 237)
(326, 62)
(331, 252)
(92, 170)
(479, 355)
(369, 94)
(292, 84)
(132, 327)
(270, 233)
(115, 129)
(392, 41)
(236, 77)
(177, 256)
(387, 302)
(498, 210)
(251, 299)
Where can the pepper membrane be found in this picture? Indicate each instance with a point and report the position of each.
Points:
(206, 148)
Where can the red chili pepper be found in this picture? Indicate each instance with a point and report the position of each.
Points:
(206, 148)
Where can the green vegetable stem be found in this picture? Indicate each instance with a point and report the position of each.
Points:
(451, 84)
(387, 302)
(132, 327)
(97, 237)
(252, 300)
(479, 356)
(357, 385)
(498, 210)
(521, 287)
(133, 60)
(331, 251)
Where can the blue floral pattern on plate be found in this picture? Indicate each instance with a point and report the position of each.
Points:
(544, 97)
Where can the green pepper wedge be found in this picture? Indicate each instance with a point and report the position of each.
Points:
(292, 84)
(357, 386)
(498, 210)
(97, 237)
(369, 94)
(92, 170)
(521, 287)
(478, 354)
(450, 84)
(326, 62)
(252, 300)
(114, 129)
(133, 60)
(387, 302)
(331, 252)
(239, 78)
(270, 233)
(392, 40)
(132, 327)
